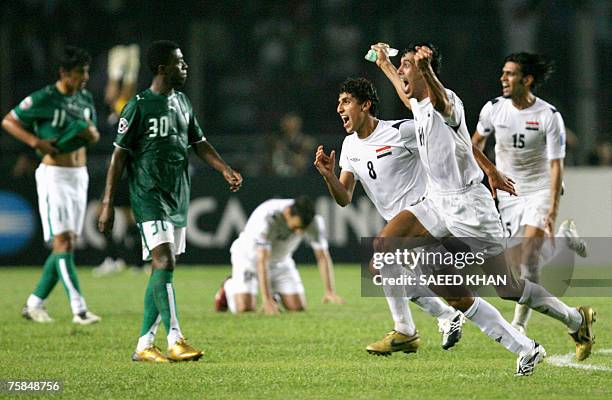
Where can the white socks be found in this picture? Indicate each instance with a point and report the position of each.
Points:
(34, 301)
(489, 320)
(435, 307)
(147, 340)
(539, 299)
(398, 302)
(522, 313)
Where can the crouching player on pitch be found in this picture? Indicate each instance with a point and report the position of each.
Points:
(156, 128)
(262, 257)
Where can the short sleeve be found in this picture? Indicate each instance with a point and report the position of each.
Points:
(316, 234)
(408, 134)
(261, 233)
(194, 132)
(485, 126)
(127, 130)
(343, 161)
(555, 137)
(31, 109)
(454, 120)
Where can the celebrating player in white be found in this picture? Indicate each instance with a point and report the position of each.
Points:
(458, 204)
(262, 256)
(530, 147)
(383, 156)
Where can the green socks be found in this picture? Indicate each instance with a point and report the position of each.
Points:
(48, 279)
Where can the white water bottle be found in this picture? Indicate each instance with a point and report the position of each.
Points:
(371, 54)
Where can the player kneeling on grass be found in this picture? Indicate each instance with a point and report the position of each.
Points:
(262, 255)
(156, 128)
(58, 121)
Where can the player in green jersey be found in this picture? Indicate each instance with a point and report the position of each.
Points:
(156, 129)
(58, 121)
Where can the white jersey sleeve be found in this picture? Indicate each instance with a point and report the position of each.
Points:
(457, 113)
(315, 234)
(555, 137)
(408, 137)
(344, 163)
(485, 127)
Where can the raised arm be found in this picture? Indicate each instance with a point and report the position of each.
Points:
(207, 153)
(384, 63)
(340, 189)
(437, 93)
(115, 170)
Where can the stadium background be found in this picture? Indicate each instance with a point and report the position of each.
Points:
(252, 63)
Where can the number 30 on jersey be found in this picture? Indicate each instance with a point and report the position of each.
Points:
(158, 126)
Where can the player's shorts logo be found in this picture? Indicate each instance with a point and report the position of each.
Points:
(123, 125)
(26, 103)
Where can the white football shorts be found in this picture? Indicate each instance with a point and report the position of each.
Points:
(283, 276)
(465, 214)
(154, 233)
(528, 209)
(62, 199)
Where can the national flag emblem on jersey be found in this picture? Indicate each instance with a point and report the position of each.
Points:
(383, 151)
(532, 125)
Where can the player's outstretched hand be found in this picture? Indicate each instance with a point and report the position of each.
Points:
(106, 219)
(44, 147)
(499, 181)
(233, 178)
(324, 163)
(333, 298)
(422, 57)
(270, 308)
(382, 53)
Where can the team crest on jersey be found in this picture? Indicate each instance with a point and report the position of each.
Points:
(383, 151)
(26, 103)
(123, 125)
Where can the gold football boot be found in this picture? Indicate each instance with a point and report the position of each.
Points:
(584, 337)
(182, 351)
(394, 341)
(150, 354)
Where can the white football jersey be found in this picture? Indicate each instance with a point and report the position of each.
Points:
(267, 227)
(387, 164)
(525, 140)
(445, 146)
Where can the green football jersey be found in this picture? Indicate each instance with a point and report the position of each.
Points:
(52, 115)
(158, 130)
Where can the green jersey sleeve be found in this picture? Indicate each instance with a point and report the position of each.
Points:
(32, 109)
(127, 130)
(195, 133)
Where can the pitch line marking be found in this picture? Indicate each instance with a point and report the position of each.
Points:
(567, 360)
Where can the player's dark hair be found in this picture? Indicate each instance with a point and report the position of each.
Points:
(73, 57)
(534, 65)
(436, 57)
(159, 54)
(304, 208)
(363, 90)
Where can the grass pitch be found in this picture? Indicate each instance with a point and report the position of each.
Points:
(317, 354)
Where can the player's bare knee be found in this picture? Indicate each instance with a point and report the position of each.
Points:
(64, 242)
(163, 258)
(460, 303)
